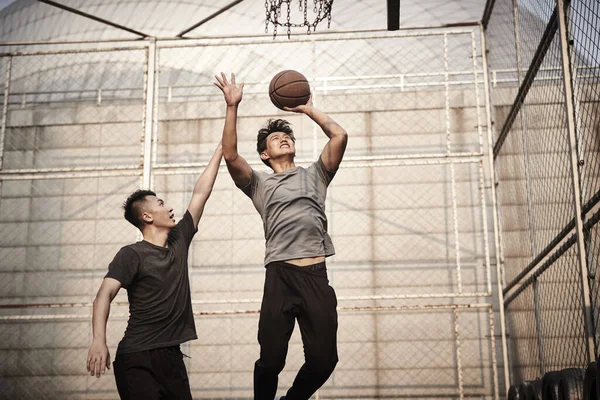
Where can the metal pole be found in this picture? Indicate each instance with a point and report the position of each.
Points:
(461, 393)
(570, 110)
(486, 242)
(92, 17)
(155, 106)
(452, 172)
(5, 109)
(493, 351)
(148, 114)
(497, 239)
(538, 324)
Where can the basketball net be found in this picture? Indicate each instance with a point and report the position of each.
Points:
(274, 9)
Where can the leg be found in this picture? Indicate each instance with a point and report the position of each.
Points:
(275, 328)
(170, 370)
(318, 325)
(135, 378)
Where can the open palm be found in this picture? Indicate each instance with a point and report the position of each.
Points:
(233, 93)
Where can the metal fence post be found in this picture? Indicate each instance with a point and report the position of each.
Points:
(149, 113)
(538, 324)
(497, 239)
(570, 110)
(5, 108)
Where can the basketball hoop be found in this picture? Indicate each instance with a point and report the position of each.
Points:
(273, 12)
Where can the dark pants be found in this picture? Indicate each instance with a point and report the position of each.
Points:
(301, 293)
(152, 375)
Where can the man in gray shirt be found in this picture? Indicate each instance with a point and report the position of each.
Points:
(291, 203)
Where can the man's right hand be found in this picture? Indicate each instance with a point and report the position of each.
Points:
(232, 92)
(98, 358)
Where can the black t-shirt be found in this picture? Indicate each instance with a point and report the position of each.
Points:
(158, 289)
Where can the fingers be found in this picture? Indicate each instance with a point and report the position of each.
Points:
(222, 81)
(97, 365)
(219, 82)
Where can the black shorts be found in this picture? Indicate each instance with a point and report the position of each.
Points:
(152, 374)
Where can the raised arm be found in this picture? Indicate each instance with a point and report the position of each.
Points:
(98, 358)
(204, 186)
(333, 152)
(238, 167)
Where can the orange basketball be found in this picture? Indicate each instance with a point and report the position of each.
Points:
(289, 88)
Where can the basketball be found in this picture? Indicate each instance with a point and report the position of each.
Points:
(289, 88)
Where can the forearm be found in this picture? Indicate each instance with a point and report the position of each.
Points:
(100, 314)
(230, 133)
(206, 181)
(328, 125)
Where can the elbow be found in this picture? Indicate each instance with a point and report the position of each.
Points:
(343, 137)
(97, 301)
(102, 298)
(230, 156)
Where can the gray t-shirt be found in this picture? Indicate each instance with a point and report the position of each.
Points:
(292, 207)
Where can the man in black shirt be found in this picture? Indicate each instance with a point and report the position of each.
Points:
(149, 364)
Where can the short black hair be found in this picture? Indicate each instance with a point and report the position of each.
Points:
(273, 125)
(132, 207)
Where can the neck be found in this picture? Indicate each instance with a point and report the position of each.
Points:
(157, 237)
(282, 166)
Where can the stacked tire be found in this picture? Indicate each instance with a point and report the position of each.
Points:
(567, 384)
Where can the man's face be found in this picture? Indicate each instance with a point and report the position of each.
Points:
(279, 144)
(156, 212)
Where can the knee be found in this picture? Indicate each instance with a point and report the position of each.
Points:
(330, 366)
(324, 368)
(270, 366)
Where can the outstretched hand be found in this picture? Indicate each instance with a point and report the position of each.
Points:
(303, 108)
(233, 93)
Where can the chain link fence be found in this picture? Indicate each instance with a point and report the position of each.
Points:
(546, 161)
(409, 210)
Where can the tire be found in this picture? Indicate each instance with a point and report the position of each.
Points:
(513, 393)
(533, 390)
(590, 382)
(522, 390)
(571, 383)
(550, 385)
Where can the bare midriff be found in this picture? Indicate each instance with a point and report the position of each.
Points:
(303, 262)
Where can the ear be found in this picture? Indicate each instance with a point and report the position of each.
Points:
(264, 156)
(147, 217)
